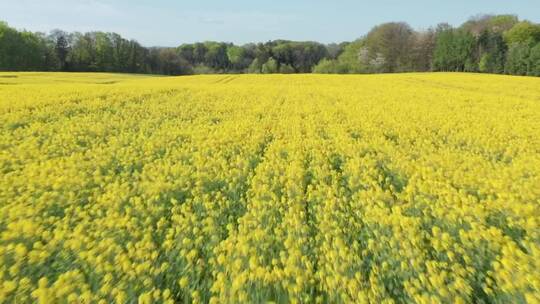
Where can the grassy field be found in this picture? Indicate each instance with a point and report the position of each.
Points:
(285, 188)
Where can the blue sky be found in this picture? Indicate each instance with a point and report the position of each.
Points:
(170, 23)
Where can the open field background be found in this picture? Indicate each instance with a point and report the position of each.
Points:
(286, 188)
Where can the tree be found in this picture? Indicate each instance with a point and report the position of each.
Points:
(170, 63)
(286, 69)
(353, 59)
(104, 53)
(238, 57)
(422, 48)
(492, 23)
(301, 56)
(255, 67)
(120, 52)
(282, 53)
(50, 60)
(61, 48)
(82, 55)
(523, 32)
(199, 52)
(22, 51)
(10, 44)
(391, 41)
(485, 43)
(326, 66)
(216, 56)
(334, 50)
(483, 65)
(534, 59)
(454, 51)
(517, 61)
(137, 57)
(443, 55)
(263, 51)
(187, 51)
(491, 51)
(502, 23)
(270, 67)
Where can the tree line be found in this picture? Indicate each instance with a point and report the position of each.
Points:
(500, 44)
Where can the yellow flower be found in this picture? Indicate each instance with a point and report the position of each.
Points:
(249, 188)
(183, 282)
(145, 298)
(9, 286)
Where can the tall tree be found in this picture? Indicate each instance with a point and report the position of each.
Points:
(492, 23)
(216, 55)
(523, 32)
(422, 48)
(21, 50)
(517, 61)
(239, 58)
(61, 47)
(534, 61)
(454, 51)
(491, 52)
(270, 67)
(104, 53)
(393, 42)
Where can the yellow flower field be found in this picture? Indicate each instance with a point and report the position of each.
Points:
(409, 188)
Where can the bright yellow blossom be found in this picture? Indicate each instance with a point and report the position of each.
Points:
(269, 188)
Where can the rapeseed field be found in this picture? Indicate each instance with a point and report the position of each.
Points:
(406, 188)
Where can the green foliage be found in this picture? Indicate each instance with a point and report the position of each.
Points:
(326, 66)
(286, 69)
(421, 53)
(216, 55)
(517, 61)
(109, 52)
(104, 52)
(202, 69)
(255, 67)
(492, 52)
(485, 43)
(238, 57)
(350, 60)
(301, 56)
(454, 51)
(490, 23)
(61, 49)
(270, 67)
(483, 66)
(335, 49)
(187, 52)
(523, 32)
(534, 68)
(501, 23)
(21, 50)
(169, 63)
(391, 42)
